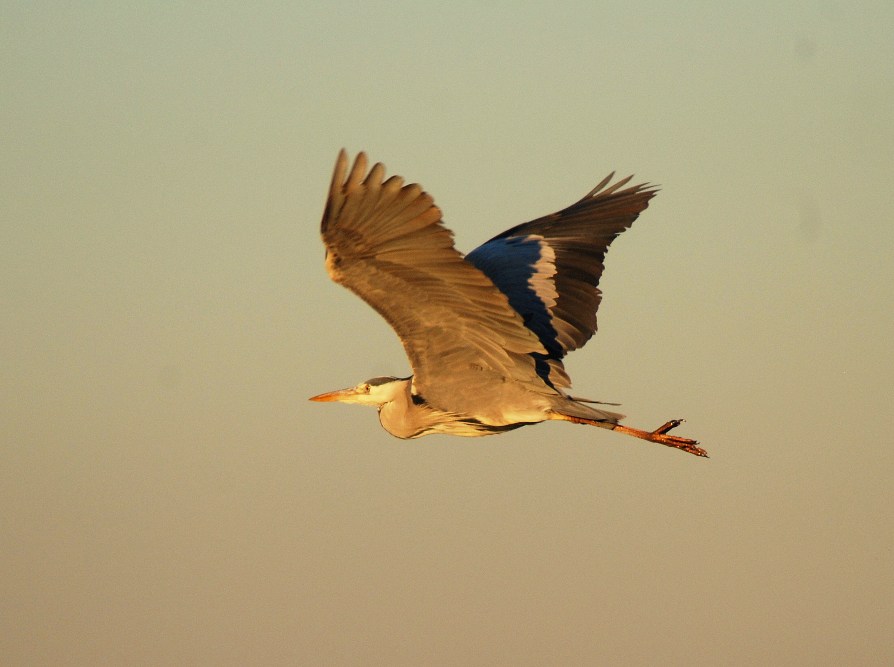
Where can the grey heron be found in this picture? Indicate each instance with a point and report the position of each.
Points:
(486, 333)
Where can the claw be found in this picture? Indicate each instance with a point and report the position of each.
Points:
(685, 444)
(673, 423)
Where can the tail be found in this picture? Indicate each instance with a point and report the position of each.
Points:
(571, 409)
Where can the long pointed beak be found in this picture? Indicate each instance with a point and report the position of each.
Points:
(338, 395)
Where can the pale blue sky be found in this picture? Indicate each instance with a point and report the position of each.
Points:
(172, 498)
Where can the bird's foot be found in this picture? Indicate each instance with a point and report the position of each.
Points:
(660, 435)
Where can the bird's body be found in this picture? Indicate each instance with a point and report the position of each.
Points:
(406, 414)
(485, 333)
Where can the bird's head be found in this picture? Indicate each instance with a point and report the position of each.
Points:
(376, 391)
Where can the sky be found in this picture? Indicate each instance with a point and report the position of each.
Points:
(171, 497)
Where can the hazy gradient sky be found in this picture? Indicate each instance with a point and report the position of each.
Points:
(169, 495)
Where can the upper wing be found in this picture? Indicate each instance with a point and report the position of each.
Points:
(550, 268)
(385, 241)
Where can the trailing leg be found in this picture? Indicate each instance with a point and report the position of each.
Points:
(659, 435)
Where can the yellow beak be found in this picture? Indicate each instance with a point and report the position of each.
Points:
(338, 395)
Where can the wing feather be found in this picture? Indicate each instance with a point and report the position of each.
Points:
(568, 249)
(385, 241)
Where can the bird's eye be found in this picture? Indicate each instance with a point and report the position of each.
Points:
(365, 388)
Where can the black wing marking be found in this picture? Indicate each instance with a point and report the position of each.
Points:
(550, 268)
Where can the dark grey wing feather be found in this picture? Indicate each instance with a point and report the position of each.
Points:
(385, 242)
(550, 268)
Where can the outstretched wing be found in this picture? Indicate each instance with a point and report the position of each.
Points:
(550, 268)
(385, 242)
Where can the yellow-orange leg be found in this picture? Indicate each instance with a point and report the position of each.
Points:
(659, 435)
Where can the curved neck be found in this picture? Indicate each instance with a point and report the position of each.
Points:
(403, 418)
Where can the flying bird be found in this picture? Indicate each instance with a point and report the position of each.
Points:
(485, 333)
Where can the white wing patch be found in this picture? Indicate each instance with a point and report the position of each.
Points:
(542, 279)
